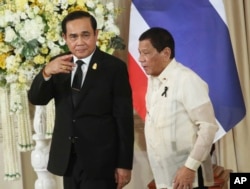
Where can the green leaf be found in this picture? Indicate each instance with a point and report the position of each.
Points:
(30, 49)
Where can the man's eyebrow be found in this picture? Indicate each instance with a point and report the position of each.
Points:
(73, 34)
(83, 32)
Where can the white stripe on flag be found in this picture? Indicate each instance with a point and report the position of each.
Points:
(136, 28)
(219, 7)
(220, 133)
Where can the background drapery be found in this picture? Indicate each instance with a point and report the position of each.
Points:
(232, 151)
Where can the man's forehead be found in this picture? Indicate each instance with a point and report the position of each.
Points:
(145, 44)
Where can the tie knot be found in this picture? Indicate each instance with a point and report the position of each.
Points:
(79, 62)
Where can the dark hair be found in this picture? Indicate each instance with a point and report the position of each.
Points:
(159, 38)
(76, 15)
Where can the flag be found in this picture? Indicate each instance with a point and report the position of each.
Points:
(202, 43)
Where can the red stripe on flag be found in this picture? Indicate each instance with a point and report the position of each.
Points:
(138, 81)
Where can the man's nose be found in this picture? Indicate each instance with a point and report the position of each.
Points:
(141, 59)
(81, 39)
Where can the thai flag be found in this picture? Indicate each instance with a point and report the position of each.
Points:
(202, 43)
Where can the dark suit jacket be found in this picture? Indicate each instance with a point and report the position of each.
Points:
(102, 120)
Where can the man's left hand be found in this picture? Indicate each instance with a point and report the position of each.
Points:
(122, 177)
(184, 178)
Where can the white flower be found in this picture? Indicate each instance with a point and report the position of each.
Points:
(110, 6)
(10, 34)
(11, 78)
(61, 41)
(32, 11)
(9, 16)
(64, 5)
(110, 19)
(100, 22)
(16, 18)
(99, 10)
(23, 15)
(18, 50)
(51, 44)
(41, 39)
(54, 49)
(26, 73)
(110, 26)
(32, 29)
(90, 4)
(12, 63)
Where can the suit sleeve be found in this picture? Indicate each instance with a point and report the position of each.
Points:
(41, 91)
(123, 113)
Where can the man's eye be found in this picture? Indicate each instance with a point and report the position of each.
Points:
(85, 35)
(73, 36)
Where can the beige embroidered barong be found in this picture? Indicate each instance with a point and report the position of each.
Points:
(180, 125)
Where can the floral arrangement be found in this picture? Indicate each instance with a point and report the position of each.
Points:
(30, 34)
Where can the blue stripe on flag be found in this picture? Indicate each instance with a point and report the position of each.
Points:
(203, 44)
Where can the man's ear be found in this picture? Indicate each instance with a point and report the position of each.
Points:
(64, 36)
(96, 32)
(167, 52)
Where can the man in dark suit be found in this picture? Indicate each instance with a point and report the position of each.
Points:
(92, 143)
